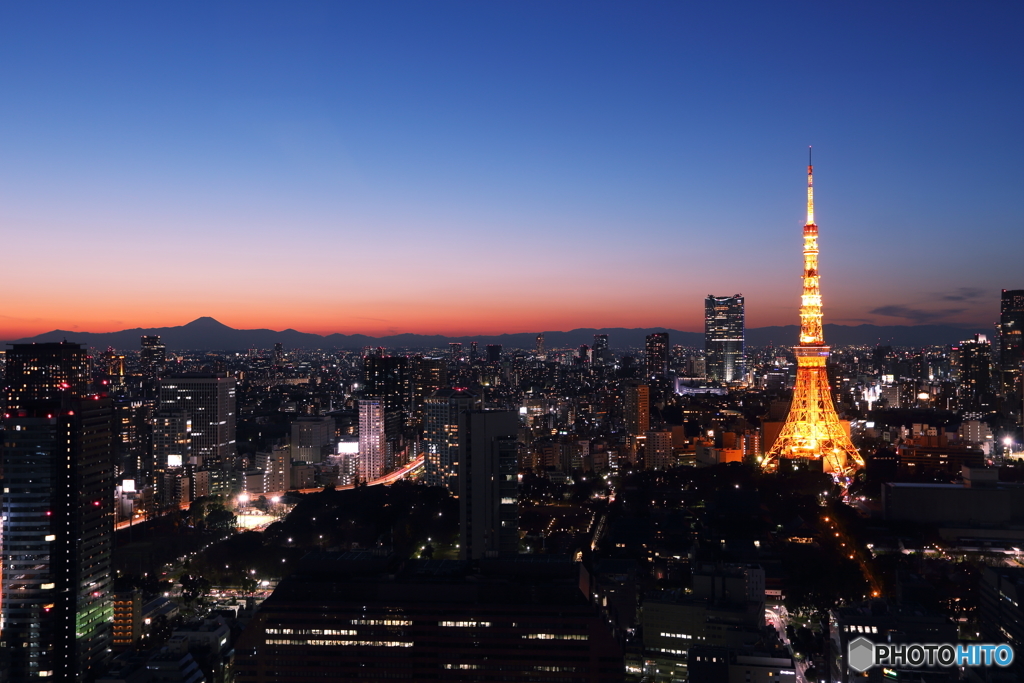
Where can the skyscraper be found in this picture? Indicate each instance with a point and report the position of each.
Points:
(656, 355)
(540, 346)
(387, 378)
(973, 360)
(812, 431)
(494, 353)
(45, 372)
(724, 338)
(153, 356)
(312, 438)
(427, 375)
(373, 441)
(488, 484)
(441, 435)
(637, 408)
(1011, 340)
(601, 354)
(57, 510)
(208, 402)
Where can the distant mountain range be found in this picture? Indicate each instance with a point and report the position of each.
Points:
(209, 334)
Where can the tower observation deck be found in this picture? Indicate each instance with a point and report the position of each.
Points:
(812, 430)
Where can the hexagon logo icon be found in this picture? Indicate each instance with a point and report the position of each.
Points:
(860, 654)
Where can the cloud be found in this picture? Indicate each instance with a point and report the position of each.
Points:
(916, 314)
(965, 294)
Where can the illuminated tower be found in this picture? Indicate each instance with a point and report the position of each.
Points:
(812, 430)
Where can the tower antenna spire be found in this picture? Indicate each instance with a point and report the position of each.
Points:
(810, 188)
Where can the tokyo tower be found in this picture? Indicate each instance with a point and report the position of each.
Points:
(812, 430)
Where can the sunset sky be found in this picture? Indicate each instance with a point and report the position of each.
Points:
(487, 167)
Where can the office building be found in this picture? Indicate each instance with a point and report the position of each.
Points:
(540, 346)
(494, 353)
(153, 356)
(45, 372)
(312, 438)
(724, 338)
(427, 376)
(387, 378)
(364, 616)
(600, 352)
(208, 402)
(58, 512)
(973, 362)
(441, 435)
(656, 355)
(1011, 341)
(488, 484)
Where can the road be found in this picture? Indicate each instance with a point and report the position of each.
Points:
(386, 480)
(777, 617)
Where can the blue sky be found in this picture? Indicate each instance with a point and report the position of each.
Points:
(506, 166)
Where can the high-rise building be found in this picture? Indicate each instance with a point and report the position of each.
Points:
(312, 438)
(973, 359)
(57, 515)
(812, 432)
(1011, 340)
(540, 346)
(441, 435)
(473, 351)
(488, 484)
(494, 353)
(455, 351)
(373, 441)
(724, 338)
(601, 354)
(637, 408)
(427, 376)
(208, 401)
(387, 378)
(153, 356)
(658, 454)
(656, 355)
(41, 372)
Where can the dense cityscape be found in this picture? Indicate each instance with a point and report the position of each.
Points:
(664, 513)
(516, 351)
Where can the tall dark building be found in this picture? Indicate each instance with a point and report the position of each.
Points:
(494, 353)
(724, 338)
(601, 354)
(427, 375)
(153, 356)
(387, 378)
(1011, 339)
(973, 360)
(656, 355)
(488, 484)
(441, 435)
(208, 402)
(43, 372)
(57, 465)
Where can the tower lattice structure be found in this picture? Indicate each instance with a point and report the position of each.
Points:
(812, 430)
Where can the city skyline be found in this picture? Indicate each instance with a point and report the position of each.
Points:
(429, 170)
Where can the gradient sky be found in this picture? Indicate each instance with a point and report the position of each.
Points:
(485, 167)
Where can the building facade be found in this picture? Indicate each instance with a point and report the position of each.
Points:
(724, 338)
(57, 508)
(488, 484)
(208, 401)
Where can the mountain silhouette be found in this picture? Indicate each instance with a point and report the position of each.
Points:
(209, 334)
